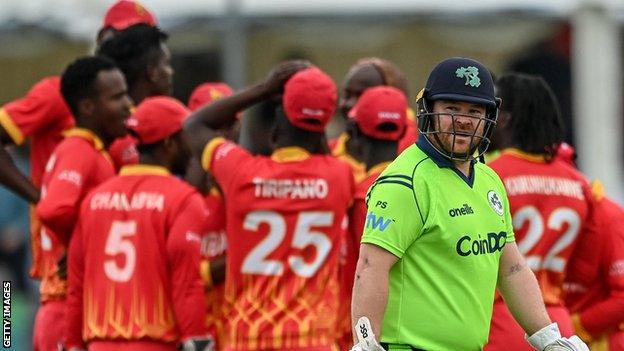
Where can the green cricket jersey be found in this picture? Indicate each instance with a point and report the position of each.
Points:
(448, 232)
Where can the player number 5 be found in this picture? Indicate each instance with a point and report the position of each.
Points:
(119, 243)
(257, 261)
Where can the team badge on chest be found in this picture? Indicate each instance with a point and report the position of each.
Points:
(495, 202)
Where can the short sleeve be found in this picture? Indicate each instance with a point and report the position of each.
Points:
(43, 108)
(390, 221)
(511, 237)
(223, 160)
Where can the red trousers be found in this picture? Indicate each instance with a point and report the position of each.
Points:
(506, 334)
(49, 329)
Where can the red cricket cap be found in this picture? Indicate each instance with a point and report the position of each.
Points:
(157, 118)
(381, 113)
(310, 99)
(208, 92)
(125, 13)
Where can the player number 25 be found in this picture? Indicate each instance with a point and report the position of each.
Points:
(556, 221)
(119, 243)
(257, 261)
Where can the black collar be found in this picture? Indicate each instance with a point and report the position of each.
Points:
(444, 162)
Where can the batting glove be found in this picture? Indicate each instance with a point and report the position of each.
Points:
(365, 336)
(549, 339)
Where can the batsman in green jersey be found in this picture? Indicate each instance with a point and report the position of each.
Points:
(439, 239)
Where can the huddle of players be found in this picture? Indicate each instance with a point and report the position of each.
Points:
(147, 250)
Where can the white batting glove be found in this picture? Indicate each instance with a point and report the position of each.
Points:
(549, 339)
(365, 336)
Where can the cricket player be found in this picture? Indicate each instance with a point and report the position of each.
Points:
(95, 91)
(551, 202)
(285, 215)
(439, 238)
(366, 73)
(134, 281)
(594, 282)
(376, 124)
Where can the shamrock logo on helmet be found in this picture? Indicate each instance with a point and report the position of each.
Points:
(471, 74)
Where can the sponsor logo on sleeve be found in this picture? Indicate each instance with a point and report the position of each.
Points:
(379, 223)
(71, 176)
(495, 202)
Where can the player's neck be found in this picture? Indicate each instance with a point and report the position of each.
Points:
(379, 153)
(463, 166)
(146, 159)
(85, 124)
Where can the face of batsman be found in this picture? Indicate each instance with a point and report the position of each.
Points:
(111, 105)
(459, 126)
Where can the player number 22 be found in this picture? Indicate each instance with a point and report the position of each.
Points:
(257, 261)
(119, 243)
(556, 221)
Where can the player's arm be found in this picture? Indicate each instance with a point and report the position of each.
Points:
(204, 124)
(390, 229)
(608, 314)
(75, 292)
(183, 254)
(59, 205)
(12, 178)
(370, 290)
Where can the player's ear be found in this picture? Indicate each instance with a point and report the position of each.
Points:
(86, 106)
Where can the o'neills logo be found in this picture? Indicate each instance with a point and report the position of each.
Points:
(465, 210)
(291, 188)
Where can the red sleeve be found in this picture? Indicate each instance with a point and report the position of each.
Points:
(75, 271)
(222, 159)
(609, 314)
(59, 205)
(42, 108)
(183, 252)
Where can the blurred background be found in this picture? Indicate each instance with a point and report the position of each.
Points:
(576, 45)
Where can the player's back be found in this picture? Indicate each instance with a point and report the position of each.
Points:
(550, 203)
(125, 226)
(285, 220)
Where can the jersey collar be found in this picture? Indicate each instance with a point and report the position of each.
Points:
(425, 145)
(524, 155)
(143, 169)
(92, 138)
(290, 154)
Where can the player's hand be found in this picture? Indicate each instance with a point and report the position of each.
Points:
(198, 344)
(274, 83)
(549, 339)
(365, 336)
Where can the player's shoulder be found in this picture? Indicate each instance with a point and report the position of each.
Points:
(488, 172)
(412, 161)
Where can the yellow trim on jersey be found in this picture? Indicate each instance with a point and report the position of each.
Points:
(411, 115)
(11, 128)
(290, 154)
(214, 191)
(91, 137)
(209, 149)
(580, 329)
(341, 145)
(206, 275)
(598, 189)
(143, 169)
(524, 155)
(378, 168)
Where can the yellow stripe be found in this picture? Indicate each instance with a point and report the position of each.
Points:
(524, 155)
(204, 272)
(208, 152)
(11, 128)
(142, 169)
(598, 189)
(87, 135)
(214, 191)
(290, 154)
(580, 329)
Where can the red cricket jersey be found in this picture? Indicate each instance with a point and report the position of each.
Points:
(595, 279)
(351, 252)
(411, 131)
(123, 151)
(134, 260)
(214, 245)
(338, 149)
(77, 165)
(285, 222)
(550, 204)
